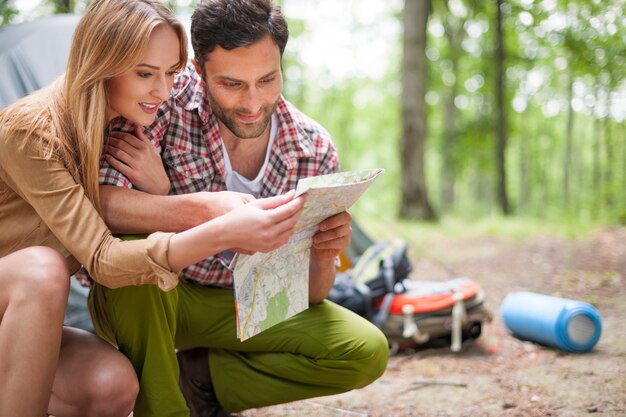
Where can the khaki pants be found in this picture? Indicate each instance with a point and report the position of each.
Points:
(323, 350)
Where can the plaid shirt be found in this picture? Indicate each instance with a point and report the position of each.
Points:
(186, 133)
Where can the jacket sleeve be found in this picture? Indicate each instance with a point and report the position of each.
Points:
(61, 203)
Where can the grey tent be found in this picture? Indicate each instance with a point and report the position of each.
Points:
(32, 55)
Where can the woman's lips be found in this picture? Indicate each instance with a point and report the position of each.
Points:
(149, 108)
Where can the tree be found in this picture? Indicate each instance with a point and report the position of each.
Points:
(415, 203)
(501, 191)
(7, 12)
(63, 6)
(454, 29)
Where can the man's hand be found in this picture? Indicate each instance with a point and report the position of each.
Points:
(333, 236)
(137, 158)
(218, 203)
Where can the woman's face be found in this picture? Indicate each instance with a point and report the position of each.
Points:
(137, 94)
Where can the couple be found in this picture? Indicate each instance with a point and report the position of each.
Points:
(225, 134)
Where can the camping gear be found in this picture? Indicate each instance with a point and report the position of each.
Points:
(409, 312)
(421, 311)
(33, 54)
(570, 325)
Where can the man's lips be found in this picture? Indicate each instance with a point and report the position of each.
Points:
(249, 118)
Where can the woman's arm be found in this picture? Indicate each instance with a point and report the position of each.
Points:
(260, 226)
(62, 205)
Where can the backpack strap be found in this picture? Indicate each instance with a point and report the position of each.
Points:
(381, 317)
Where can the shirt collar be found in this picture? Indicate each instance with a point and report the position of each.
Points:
(189, 93)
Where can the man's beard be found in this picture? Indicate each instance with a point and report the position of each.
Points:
(239, 129)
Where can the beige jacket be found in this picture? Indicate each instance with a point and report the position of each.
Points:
(42, 205)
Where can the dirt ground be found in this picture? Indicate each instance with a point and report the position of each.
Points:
(499, 375)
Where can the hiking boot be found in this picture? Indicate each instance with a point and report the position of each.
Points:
(196, 386)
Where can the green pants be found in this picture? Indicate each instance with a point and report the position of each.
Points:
(323, 350)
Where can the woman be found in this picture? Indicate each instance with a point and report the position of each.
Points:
(123, 59)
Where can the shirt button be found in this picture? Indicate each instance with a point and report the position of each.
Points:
(187, 173)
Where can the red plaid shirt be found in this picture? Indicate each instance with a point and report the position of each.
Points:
(187, 135)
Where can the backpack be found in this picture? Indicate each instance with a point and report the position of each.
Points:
(375, 273)
(409, 312)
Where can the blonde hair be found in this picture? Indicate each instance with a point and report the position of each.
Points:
(69, 119)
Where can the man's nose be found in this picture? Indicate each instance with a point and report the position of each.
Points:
(251, 100)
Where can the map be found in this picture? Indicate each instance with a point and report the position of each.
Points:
(271, 287)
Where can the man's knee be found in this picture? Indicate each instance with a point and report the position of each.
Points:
(373, 357)
(136, 312)
(139, 301)
(363, 355)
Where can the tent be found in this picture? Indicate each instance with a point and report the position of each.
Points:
(33, 54)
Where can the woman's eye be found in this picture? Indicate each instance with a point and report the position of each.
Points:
(144, 74)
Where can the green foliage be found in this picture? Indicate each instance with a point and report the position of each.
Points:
(61, 6)
(7, 12)
(554, 49)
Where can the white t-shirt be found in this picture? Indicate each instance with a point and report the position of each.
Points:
(239, 183)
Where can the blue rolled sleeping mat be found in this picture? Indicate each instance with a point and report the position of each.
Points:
(570, 325)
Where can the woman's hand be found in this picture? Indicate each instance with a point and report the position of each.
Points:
(260, 226)
(265, 224)
(137, 158)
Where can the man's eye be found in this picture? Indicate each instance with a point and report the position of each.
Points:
(267, 80)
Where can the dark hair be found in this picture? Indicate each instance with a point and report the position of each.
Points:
(235, 23)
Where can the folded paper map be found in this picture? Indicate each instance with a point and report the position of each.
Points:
(271, 287)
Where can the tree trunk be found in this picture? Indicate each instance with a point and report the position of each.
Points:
(501, 192)
(596, 181)
(415, 204)
(525, 164)
(608, 145)
(448, 167)
(567, 164)
(455, 33)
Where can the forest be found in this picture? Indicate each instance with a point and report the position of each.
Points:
(473, 108)
(501, 126)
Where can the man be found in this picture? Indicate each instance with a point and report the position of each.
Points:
(227, 129)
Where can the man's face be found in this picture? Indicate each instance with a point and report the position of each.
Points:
(243, 86)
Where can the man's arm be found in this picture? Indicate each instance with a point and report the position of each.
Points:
(132, 211)
(333, 237)
(335, 232)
